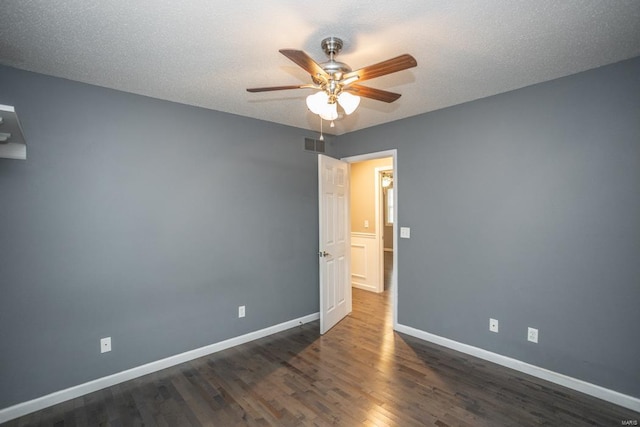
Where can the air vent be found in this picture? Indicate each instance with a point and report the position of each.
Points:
(313, 145)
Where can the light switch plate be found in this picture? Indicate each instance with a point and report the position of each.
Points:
(405, 233)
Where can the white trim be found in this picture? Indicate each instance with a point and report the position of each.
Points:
(371, 156)
(364, 248)
(600, 392)
(363, 235)
(364, 261)
(394, 277)
(364, 287)
(347, 219)
(39, 403)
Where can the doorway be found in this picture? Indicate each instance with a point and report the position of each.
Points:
(368, 224)
(385, 208)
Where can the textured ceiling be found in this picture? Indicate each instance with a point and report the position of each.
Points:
(205, 53)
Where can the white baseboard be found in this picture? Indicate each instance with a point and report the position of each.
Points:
(608, 395)
(39, 403)
(364, 287)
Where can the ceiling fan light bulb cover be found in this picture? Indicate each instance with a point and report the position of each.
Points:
(317, 101)
(329, 112)
(348, 102)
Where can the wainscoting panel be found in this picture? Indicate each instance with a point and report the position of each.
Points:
(365, 262)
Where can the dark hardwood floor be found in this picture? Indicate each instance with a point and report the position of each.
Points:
(360, 373)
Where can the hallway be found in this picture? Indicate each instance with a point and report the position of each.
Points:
(388, 270)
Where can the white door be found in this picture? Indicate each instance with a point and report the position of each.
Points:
(335, 288)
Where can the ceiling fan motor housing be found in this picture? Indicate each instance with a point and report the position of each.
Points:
(332, 67)
(331, 47)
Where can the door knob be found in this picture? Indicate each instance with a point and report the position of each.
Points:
(324, 254)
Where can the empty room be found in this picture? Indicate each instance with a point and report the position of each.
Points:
(345, 213)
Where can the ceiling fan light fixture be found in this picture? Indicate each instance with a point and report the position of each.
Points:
(335, 80)
(317, 101)
(329, 112)
(348, 102)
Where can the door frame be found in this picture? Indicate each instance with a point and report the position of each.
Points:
(394, 278)
(379, 218)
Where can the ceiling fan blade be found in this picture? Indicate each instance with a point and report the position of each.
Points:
(369, 92)
(268, 89)
(389, 66)
(305, 62)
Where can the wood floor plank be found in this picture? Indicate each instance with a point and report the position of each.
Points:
(360, 373)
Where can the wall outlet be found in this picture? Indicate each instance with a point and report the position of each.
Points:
(241, 311)
(493, 325)
(105, 345)
(532, 335)
(366, 223)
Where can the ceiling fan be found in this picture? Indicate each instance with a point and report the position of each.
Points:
(337, 83)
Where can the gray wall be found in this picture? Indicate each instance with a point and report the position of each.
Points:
(525, 207)
(146, 221)
(142, 219)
